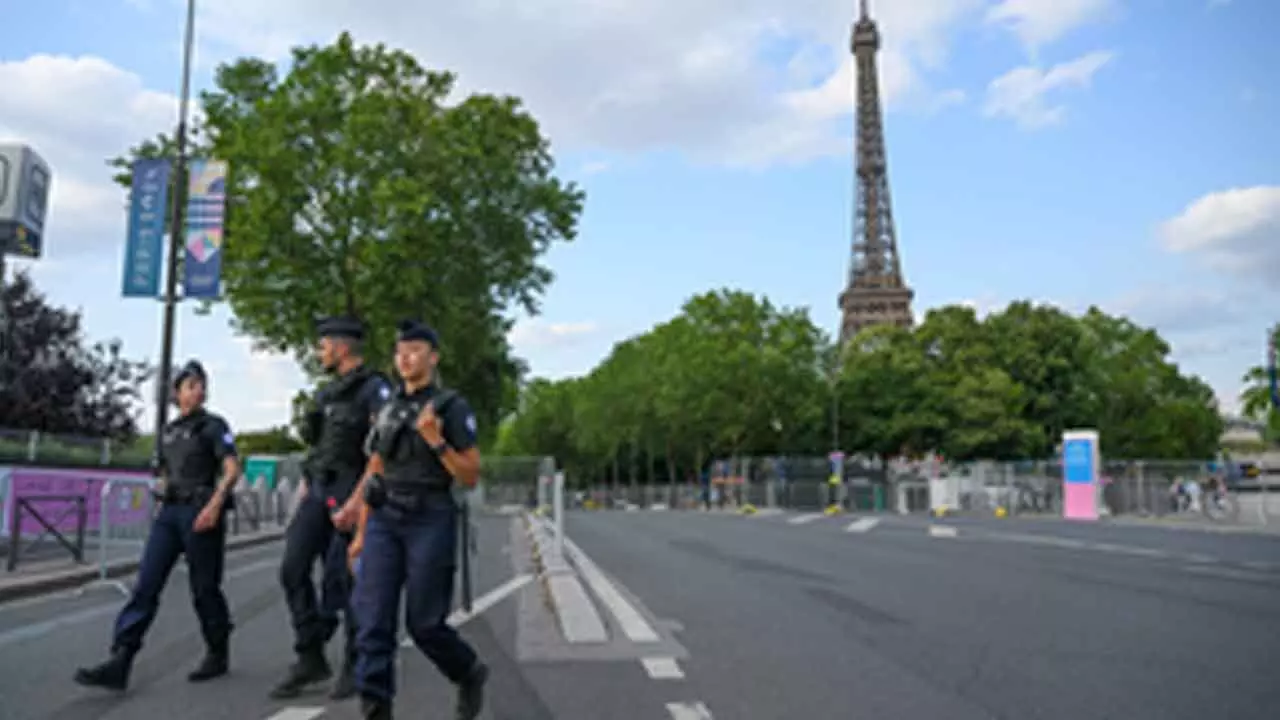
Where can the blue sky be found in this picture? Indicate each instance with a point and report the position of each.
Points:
(1123, 153)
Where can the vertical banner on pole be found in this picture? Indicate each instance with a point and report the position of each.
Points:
(206, 210)
(144, 244)
(1081, 460)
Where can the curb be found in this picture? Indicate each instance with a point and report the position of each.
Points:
(84, 574)
(576, 615)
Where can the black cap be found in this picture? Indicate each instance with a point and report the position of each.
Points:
(341, 327)
(412, 330)
(194, 369)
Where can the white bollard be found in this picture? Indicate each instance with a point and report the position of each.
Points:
(557, 512)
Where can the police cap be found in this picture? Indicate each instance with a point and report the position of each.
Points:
(414, 331)
(193, 369)
(340, 327)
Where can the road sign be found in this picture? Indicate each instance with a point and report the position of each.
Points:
(24, 201)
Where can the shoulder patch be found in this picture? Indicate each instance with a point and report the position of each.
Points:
(229, 438)
(471, 423)
(384, 391)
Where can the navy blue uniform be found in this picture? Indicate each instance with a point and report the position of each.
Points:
(339, 425)
(411, 544)
(311, 534)
(195, 448)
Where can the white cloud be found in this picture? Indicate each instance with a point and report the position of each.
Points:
(1022, 93)
(1236, 231)
(593, 168)
(77, 112)
(530, 334)
(1039, 22)
(700, 77)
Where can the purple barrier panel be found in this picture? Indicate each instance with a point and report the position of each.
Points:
(126, 504)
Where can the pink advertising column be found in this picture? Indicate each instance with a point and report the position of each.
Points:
(1081, 459)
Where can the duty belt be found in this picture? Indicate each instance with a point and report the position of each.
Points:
(185, 496)
(414, 498)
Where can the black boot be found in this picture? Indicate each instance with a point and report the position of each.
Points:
(110, 675)
(471, 693)
(311, 668)
(375, 709)
(215, 664)
(345, 686)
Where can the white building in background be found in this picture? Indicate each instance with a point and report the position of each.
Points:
(1241, 430)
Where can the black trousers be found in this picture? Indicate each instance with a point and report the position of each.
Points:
(311, 536)
(172, 536)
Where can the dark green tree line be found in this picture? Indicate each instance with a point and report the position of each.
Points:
(734, 375)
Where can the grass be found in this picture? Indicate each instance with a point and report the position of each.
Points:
(52, 452)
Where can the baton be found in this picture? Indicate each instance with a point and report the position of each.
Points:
(464, 542)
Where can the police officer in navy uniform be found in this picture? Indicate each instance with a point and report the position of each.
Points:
(336, 430)
(198, 449)
(424, 443)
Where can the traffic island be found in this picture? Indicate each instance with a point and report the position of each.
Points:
(575, 613)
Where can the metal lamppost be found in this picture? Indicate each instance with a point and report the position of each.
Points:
(175, 243)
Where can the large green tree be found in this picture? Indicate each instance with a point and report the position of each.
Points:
(358, 186)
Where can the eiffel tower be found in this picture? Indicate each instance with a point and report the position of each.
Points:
(876, 294)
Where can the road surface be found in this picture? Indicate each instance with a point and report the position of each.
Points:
(771, 617)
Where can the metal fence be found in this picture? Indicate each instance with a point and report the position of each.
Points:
(1135, 488)
(34, 447)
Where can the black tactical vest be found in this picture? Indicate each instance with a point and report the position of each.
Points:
(407, 460)
(190, 459)
(345, 423)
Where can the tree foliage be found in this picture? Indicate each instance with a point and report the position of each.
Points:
(357, 188)
(1255, 400)
(733, 374)
(52, 381)
(272, 441)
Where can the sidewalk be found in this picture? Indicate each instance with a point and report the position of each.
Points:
(46, 576)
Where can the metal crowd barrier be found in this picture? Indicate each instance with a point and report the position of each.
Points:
(129, 524)
(30, 503)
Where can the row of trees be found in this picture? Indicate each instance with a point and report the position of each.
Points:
(733, 374)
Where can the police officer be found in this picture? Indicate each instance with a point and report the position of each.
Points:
(198, 448)
(423, 443)
(336, 429)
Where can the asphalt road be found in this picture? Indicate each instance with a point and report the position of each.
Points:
(763, 618)
(42, 641)
(790, 616)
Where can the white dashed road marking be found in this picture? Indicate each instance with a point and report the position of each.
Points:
(802, 519)
(942, 531)
(689, 711)
(862, 525)
(298, 713)
(662, 668)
